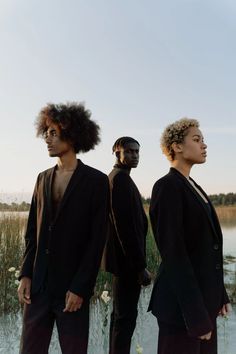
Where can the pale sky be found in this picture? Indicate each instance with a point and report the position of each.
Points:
(138, 66)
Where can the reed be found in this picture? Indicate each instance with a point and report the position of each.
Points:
(227, 215)
(12, 227)
(11, 250)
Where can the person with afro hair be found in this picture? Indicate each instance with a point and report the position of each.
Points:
(65, 235)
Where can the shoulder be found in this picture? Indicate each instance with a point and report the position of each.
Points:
(170, 182)
(121, 179)
(45, 173)
(94, 174)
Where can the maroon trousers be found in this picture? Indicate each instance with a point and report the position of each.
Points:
(38, 321)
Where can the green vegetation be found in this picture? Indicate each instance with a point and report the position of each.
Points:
(14, 206)
(11, 250)
(12, 228)
(223, 199)
(216, 199)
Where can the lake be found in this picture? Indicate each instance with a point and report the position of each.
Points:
(145, 334)
(146, 330)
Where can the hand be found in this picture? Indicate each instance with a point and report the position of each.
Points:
(206, 336)
(24, 291)
(144, 277)
(73, 302)
(225, 310)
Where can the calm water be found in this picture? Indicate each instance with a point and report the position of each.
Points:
(146, 330)
(145, 334)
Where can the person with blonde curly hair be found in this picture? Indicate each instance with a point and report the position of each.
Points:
(189, 291)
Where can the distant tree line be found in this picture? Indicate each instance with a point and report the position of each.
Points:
(216, 199)
(14, 206)
(223, 199)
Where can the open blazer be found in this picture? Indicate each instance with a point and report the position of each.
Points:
(189, 288)
(125, 250)
(66, 252)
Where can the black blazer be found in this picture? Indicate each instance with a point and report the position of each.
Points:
(66, 252)
(125, 250)
(189, 288)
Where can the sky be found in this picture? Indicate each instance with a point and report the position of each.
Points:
(138, 66)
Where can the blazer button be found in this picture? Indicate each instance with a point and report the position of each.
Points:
(47, 251)
(216, 246)
(218, 266)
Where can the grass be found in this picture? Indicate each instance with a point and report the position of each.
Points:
(11, 250)
(12, 228)
(227, 215)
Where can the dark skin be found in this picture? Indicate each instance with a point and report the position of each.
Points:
(66, 165)
(129, 157)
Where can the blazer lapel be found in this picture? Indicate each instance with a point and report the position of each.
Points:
(48, 190)
(75, 179)
(217, 232)
(214, 219)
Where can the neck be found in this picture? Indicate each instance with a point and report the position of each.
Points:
(183, 168)
(124, 167)
(67, 162)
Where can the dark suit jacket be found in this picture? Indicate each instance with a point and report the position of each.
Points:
(189, 287)
(66, 252)
(125, 250)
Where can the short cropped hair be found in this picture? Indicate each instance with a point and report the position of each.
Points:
(121, 142)
(175, 133)
(74, 123)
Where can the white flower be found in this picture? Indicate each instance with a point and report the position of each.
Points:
(17, 282)
(139, 349)
(17, 273)
(12, 269)
(105, 296)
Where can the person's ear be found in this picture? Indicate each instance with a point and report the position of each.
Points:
(117, 154)
(176, 147)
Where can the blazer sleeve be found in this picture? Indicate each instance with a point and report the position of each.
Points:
(84, 280)
(30, 238)
(124, 213)
(167, 219)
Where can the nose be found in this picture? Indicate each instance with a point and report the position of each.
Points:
(47, 139)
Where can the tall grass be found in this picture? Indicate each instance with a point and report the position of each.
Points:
(11, 250)
(227, 215)
(12, 227)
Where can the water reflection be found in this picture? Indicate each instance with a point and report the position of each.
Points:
(145, 334)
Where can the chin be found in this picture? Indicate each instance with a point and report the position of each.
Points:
(51, 154)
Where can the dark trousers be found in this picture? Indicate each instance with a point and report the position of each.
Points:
(175, 340)
(38, 322)
(126, 293)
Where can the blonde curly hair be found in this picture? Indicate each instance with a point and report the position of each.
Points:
(175, 133)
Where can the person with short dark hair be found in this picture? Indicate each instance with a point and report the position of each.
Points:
(189, 291)
(65, 235)
(125, 251)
